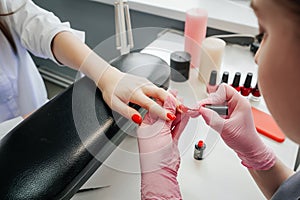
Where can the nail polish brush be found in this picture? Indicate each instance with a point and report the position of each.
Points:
(220, 109)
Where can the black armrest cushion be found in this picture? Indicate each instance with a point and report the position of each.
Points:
(45, 157)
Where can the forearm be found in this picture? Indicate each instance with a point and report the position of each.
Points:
(269, 180)
(70, 51)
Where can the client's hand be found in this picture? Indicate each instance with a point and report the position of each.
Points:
(238, 129)
(119, 89)
(159, 155)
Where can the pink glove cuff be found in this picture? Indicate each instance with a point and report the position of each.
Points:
(262, 160)
(164, 185)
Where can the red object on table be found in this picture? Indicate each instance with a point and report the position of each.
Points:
(266, 125)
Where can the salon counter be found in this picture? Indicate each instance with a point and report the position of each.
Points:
(220, 174)
(226, 15)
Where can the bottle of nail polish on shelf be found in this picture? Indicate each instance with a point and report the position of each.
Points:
(246, 89)
(212, 85)
(199, 149)
(255, 93)
(225, 77)
(236, 81)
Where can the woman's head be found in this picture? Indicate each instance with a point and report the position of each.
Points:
(278, 61)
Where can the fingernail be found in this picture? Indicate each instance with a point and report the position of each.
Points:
(182, 108)
(170, 116)
(137, 119)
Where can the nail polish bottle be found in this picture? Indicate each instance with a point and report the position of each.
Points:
(225, 77)
(236, 81)
(255, 93)
(246, 89)
(212, 85)
(199, 149)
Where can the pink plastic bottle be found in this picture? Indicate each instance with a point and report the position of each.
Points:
(195, 32)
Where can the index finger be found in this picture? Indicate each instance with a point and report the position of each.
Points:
(225, 93)
(160, 93)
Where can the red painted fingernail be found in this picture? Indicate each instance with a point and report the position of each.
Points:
(171, 116)
(137, 119)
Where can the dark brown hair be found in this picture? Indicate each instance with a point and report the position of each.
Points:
(7, 34)
(5, 30)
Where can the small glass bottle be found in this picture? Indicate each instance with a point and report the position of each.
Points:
(199, 149)
(212, 85)
(236, 81)
(255, 94)
(246, 89)
(225, 77)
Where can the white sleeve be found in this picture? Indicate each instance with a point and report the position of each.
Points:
(37, 27)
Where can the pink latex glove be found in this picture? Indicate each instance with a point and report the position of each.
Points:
(238, 130)
(159, 154)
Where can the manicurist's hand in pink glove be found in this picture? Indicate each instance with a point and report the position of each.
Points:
(237, 129)
(239, 133)
(159, 155)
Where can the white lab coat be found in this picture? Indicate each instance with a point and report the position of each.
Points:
(22, 89)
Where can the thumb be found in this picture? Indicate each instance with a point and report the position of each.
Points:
(212, 119)
(218, 97)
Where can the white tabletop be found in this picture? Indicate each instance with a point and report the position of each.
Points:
(229, 15)
(220, 175)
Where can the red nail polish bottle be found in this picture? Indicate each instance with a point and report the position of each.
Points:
(199, 149)
(236, 81)
(212, 85)
(255, 93)
(246, 89)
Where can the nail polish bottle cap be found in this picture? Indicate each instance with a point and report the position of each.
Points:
(200, 144)
(248, 80)
(213, 77)
(236, 80)
(225, 77)
(180, 66)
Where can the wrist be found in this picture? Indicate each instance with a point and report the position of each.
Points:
(161, 184)
(263, 159)
(109, 75)
(94, 67)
